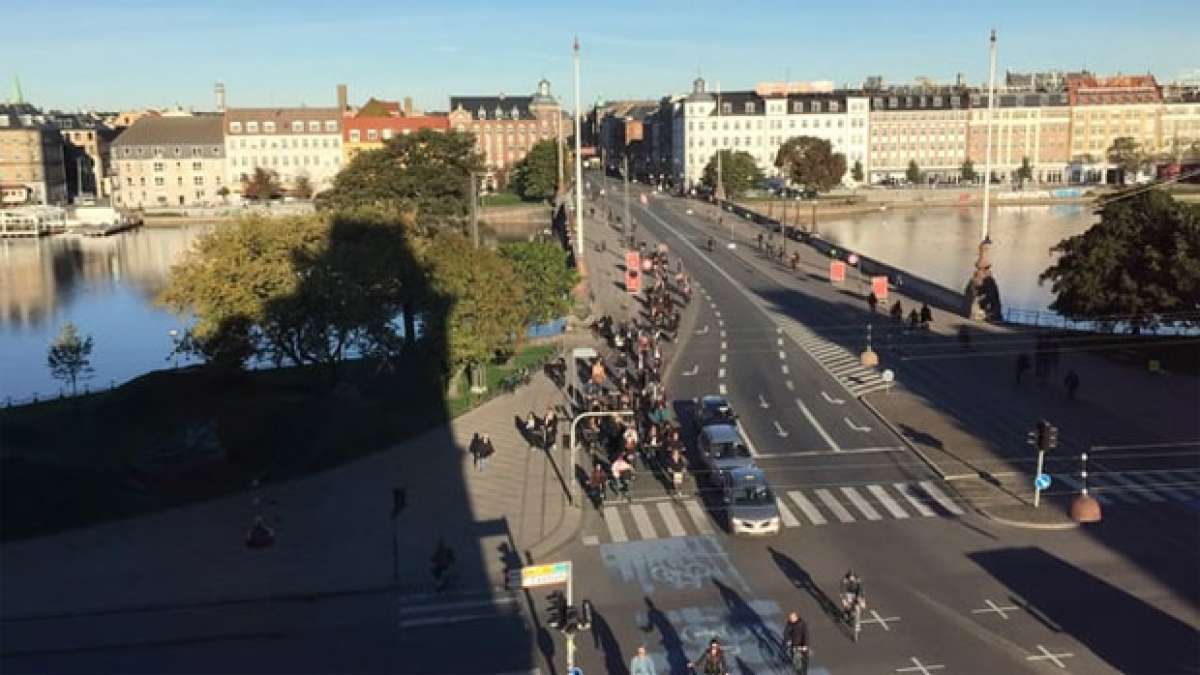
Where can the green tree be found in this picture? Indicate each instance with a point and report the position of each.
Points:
(1127, 154)
(302, 187)
(262, 184)
(1140, 262)
(478, 313)
(536, 176)
(1024, 172)
(223, 193)
(548, 280)
(967, 172)
(811, 162)
(425, 176)
(739, 172)
(857, 172)
(70, 356)
(913, 172)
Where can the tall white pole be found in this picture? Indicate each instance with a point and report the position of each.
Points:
(719, 190)
(578, 162)
(987, 165)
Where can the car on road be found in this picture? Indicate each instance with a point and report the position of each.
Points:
(721, 448)
(712, 409)
(750, 505)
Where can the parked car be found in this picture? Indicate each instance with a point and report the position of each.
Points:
(721, 448)
(750, 505)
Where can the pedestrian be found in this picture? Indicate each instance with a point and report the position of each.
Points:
(475, 448)
(597, 483)
(549, 428)
(441, 565)
(1072, 383)
(926, 315)
(872, 301)
(795, 642)
(1022, 366)
(531, 430)
(897, 312)
(914, 320)
(641, 664)
(486, 450)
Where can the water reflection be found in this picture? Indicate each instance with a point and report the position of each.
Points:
(105, 285)
(940, 244)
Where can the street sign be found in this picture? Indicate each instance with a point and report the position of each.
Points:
(1042, 481)
(888, 376)
(879, 286)
(837, 271)
(545, 575)
(633, 279)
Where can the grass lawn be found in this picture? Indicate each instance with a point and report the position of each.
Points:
(502, 199)
(174, 437)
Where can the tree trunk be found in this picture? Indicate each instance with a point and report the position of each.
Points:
(455, 382)
(410, 325)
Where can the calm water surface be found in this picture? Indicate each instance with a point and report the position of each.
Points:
(107, 285)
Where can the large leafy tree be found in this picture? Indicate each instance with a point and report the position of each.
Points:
(967, 172)
(546, 277)
(913, 172)
(536, 176)
(1139, 263)
(856, 172)
(262, 184)
(70, 356)
(1127, 154)
(739, 172)
(425, 175)
(811, 162)
(1024, 172)
(478, 313)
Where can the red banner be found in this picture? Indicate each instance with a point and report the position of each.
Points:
(633, 275)
(837, 271)
(879, 286)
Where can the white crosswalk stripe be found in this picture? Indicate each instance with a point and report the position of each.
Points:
(1109, 485)
(1160, 483)
(616, 529)
(1075, 485)
(699, 517)
(674, 527)
(940, 497)
(810, 510)
(1137, 488)
(642, 520)
(789, 519)
(861, 504)
(914, 499)
(834, 505)
(884, 498)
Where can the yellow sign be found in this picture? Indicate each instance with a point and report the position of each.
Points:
(545, 575)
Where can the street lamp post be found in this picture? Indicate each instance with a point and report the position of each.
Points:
(978, 305)
(578, 163)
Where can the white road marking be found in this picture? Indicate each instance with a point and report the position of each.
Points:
(778, 329)
(724, 345)
(616, 529)
(830, 399)
(1046, 654)
(940, 497)
(850, 423)
(762, 402)
(780, 430)
(642, 520)
(993, 607)
(721, 387)
(1162, 487)
(447, 606)
(834, 505)
(810, 510)
(712, 305)
(1103, 480)
(721, 372)
(703, 331)
(721, 322)
(783, 369)
(826, 351)
(919, 667)
(782, 354)
(881, 620)
(914, 499)
(814, 453)
(722, 333)
(717, 313)
(1076, 485)
(779, 342)
(723, 358)
(861, 504)
(789, 520)
(591, 540)
(817, 425)
(445, 619)
(789, 385)
(667, 512)
(695, 369)
(699, 517)
(884, 498)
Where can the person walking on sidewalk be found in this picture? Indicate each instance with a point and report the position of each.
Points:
(476, 450)
(926, 315)
(795, 642)
(549, 428)
(531, 430)
(1071, 381)
(486, 450)
(872, 301)
(641, 664)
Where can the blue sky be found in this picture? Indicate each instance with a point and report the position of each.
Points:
(120, 54)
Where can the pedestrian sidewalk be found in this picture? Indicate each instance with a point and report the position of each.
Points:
(335, 531)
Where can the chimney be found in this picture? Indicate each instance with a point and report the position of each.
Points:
(219, 92)
(341, 98)
(407, 106)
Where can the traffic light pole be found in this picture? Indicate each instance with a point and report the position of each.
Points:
(570, 634)
(1037, 490)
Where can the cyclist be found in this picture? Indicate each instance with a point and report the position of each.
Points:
(596, 483)
(676, 465)
(712, 662)
(711, 244)
(852, 594)
(622, 472)
(795, 642)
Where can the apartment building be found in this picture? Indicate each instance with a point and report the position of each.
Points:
(506, 127)
(1106, 108)
(175, 159)
(87, 153)
(1025, 125)
(378, 121)
(32, 169)
(923, 123)
(761, 120)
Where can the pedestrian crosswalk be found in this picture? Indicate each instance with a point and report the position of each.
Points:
(1117, 488)
(809, 507)
(841, 363)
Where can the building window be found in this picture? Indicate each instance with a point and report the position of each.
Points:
(196, 166)
(354, 136)
(372, 134)
(833, 106)
(197, 180)
(314, 125)
(235, 127)
(297, 126)
(268, 127)
(749, 107)
(158, 181)
(158, 166)
(388, 133)
(726, 108)
(252, 127)
(331, 125)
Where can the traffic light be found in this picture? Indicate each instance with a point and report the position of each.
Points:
(1042, 431)
(585, 615)
(1051, 437)
(556, 610)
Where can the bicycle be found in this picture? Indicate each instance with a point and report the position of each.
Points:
(799, 658)
(853, 605)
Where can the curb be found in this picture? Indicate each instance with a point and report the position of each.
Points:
(911, 446)
(1027, 525)
(568, 528)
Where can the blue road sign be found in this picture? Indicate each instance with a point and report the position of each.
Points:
(576, 671)
(1042, 481)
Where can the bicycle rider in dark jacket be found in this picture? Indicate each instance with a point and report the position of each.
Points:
(712, 662)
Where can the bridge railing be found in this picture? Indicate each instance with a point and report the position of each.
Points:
(1118, 325)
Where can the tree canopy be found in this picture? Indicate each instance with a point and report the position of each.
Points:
(739, 172)
(69, 358)
(913, 172)
(811, 162)
(1025, 171)
(967, 172)
(1127, 154)
(425, 175)
(536, 176)
(262, 184)
(547, 279)
(856, 172)
(1140, 263)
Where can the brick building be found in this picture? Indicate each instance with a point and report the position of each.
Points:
(506, 127)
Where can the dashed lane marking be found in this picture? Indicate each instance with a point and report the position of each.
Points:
(783, 369)
(790, 385)
(817, 425)
(721, 373)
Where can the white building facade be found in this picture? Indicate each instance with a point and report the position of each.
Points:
(292, 142)
(759, 122)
